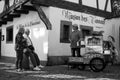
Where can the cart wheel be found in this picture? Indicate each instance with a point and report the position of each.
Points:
(81, 67)
(97, 64)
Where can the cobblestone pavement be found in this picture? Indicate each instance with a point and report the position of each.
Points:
(8, 72)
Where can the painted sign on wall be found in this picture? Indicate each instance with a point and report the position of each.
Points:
(82, 17)
(28, 24)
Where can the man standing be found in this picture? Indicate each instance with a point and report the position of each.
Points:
(75, 39)
(19, 47)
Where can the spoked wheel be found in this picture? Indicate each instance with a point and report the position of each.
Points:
(97, 64)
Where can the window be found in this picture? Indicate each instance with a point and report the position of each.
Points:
(86, 30)
(9, 34)
(65, 31)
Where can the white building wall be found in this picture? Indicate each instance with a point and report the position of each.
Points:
(39, 35)
(1, 6)
(47, 42)
(55, 47)
(113, 28)
(101, 3)
(6, 49)
(56, 15)
(91, 3)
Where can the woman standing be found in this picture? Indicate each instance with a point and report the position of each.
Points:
(20, 44)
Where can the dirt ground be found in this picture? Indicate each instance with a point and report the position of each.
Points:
(59, 72)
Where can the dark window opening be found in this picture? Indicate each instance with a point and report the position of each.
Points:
(9, 34)
(66, 29)
(86, 30)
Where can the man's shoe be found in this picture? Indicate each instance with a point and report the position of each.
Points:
(19, 70)
(36, 69)
(40, 66)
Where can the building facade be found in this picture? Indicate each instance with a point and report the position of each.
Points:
(52, 45)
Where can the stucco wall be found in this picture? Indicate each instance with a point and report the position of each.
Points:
(39, 34)
(113, 28)
(56, 15)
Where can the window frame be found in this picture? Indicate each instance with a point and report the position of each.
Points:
(62, 40)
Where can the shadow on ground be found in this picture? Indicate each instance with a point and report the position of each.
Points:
(8, 72)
